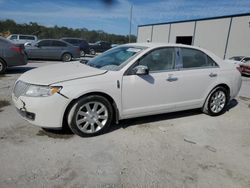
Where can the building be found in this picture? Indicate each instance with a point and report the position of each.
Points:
(226, 36)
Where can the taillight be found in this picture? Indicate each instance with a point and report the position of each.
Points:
(17, 49)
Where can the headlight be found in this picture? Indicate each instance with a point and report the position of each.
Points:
(42, 91)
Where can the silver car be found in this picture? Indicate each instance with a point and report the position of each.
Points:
(22, 39)
(52, 49)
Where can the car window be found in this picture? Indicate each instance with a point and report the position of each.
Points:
(211, 62)
(74, 41)
(246, 59)
(84, 42)
(45, 43)
(13, 37)
(236, 58)
(192, 58)
(23, 37)
(159, 60)
(58, 43)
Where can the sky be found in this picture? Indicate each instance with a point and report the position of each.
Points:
(114, 17)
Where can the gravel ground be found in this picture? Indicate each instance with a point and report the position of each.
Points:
(182, 150)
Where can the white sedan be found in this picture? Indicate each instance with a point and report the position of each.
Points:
(128, 81)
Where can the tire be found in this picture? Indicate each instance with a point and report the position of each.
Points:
(66, 57)
(90, 116)
(2, 67)
(216, 102)
(92, 52)
(82, 53)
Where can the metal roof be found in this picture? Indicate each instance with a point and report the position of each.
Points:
(199, 19)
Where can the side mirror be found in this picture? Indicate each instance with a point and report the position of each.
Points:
(141, 70)
(37, 45)
(27, 44)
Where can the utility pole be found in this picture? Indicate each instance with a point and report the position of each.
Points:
(130, 23)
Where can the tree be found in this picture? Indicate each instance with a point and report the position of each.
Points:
(32, 28)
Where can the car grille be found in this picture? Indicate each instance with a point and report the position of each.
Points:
(20, 88)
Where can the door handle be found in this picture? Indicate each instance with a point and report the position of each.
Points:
(212, 74)
(172, 79)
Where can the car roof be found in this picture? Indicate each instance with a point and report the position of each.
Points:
(152, 45)
(24, 35)
(72, 38)
(55, 40)
(156, 45)
(52, 40)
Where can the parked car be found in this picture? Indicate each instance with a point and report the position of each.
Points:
(82, 44)
(22, 39)
(11, 55)
(100, 46)
(245, 68)
(52, 49)
(129, 81)
(242, 59)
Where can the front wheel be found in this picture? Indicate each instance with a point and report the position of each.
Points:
(66, 57)
(90, 116)
(216, 102)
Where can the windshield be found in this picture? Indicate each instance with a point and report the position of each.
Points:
(114, 59)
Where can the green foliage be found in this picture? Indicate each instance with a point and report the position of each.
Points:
(56, 32)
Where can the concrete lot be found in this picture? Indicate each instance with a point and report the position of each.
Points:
(184, 149)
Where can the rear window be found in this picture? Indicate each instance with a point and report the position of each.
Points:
(58, 43)
(45, 43)
(23, 37)
(192, 58)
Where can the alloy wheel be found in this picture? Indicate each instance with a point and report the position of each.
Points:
(218, 101)
(91, 117)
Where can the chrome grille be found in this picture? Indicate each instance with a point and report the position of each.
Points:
(20, 88)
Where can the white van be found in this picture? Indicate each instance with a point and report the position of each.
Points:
(22, 39)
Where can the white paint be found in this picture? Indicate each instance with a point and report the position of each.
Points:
(138, 95)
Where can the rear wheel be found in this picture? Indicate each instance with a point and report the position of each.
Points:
(92, 52)
(2, 67)
(82, 53)
(216, 102)
(90, 116)
(66, 57)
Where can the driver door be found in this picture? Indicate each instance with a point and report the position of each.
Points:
(154, 92)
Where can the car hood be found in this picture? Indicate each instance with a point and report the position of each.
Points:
(56, 73)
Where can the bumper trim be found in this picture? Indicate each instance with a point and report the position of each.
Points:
(28, 115)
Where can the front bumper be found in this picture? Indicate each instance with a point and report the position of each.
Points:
(44, 112)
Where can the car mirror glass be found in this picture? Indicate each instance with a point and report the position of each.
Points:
(141, 70)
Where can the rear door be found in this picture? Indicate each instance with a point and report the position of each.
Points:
(44, 49)
(57, 49)
(197, 72)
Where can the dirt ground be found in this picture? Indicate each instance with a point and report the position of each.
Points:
(178, 150)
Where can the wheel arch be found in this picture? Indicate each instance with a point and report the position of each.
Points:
(1, 59)
(224, 85)
(66, 52)
(105, 95)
